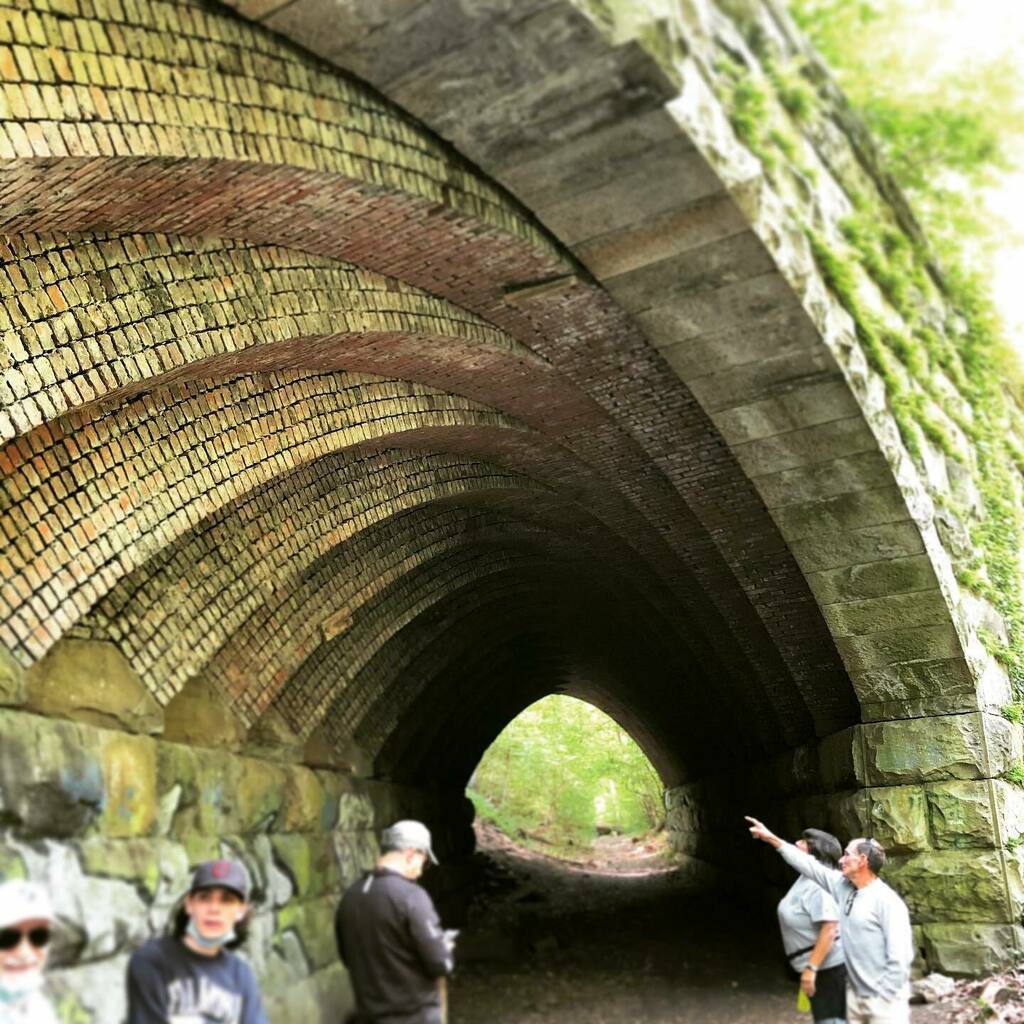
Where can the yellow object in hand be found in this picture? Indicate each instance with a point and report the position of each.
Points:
(803, 1004)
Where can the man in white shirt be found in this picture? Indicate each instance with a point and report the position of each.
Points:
(874, 923)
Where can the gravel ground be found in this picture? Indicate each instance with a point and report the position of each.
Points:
(619, 939)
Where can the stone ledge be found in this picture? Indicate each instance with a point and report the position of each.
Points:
(91, 681)
(12, 680)
(972, 949)
(952, 885)
(966, 746)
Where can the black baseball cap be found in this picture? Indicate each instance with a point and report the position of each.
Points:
(223, 874)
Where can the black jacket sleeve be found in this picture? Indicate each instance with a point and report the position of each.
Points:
(426, 934)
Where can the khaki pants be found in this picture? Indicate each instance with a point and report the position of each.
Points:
(875, 1010)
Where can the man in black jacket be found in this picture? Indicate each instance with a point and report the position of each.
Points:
(389, 936)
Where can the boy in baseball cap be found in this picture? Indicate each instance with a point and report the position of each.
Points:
(191, 974)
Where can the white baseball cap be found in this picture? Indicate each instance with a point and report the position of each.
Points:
(408, 835)
(23, 901)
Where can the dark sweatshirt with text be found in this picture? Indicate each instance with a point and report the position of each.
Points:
(168, 983)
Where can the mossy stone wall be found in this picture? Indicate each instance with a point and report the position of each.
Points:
(112, 822)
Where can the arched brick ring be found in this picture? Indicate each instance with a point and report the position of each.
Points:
(634, 601)
(399, 547)
(472, 687)
(255, 550)
(482, 694)
(154, 310)
(336, 199)
(408, 599)
(501, 618)
(344, 657)
(481, 441)
(448, 437)
(214, 446)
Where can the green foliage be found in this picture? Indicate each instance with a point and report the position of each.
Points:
(561, 769)
(786, 143)
(990, 369)
(983, 367)
(1014, 712)
(1015, 773)
(1014, 842)
(750, 115)
(793, 91)
(943, 136)
(919, 139)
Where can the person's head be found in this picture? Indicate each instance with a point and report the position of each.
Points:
(26, 918)
(821, 846)
(862, 858)
(405, 848)
(215, 910)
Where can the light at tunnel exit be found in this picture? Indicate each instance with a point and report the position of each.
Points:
(561, 775)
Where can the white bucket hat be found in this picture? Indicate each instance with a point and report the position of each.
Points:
(23, 901)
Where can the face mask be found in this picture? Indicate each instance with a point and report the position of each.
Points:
(200, 940)
(18, 987)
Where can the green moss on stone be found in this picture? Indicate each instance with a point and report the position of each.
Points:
(313, 922)
(12, 865)
(793, 91)
(980, 367)
(1014, 712)
(71, 1011)
(749, 117)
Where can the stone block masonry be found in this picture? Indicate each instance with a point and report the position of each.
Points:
(113, 821)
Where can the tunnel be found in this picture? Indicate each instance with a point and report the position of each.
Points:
(375, 370)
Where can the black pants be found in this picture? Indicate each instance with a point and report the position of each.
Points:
(829, 999)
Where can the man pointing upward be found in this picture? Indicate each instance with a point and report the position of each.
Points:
(874, 923)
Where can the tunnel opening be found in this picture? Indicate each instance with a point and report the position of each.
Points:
(565, 780)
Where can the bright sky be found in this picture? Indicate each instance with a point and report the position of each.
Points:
(956, 33)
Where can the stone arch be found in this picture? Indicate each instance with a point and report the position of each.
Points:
(575, 281)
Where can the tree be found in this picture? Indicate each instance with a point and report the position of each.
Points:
(946, 131)
(561, 768)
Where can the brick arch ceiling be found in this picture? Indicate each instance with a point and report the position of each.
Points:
(645, 684)
(213, 319)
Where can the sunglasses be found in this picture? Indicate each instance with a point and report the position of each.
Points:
(10, 938)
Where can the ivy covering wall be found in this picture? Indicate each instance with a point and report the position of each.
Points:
(922, 314)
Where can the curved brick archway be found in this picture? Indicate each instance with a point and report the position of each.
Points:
(324, 437)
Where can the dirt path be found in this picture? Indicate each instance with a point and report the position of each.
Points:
(622, 944)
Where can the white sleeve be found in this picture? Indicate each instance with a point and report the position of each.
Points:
(828, 878)
(820, 906)
(899, 946)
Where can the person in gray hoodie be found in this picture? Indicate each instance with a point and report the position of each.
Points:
(874, 923)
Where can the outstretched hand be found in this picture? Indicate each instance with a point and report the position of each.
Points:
(762, 832)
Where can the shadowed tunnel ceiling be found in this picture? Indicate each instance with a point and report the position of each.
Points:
(302, 405)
